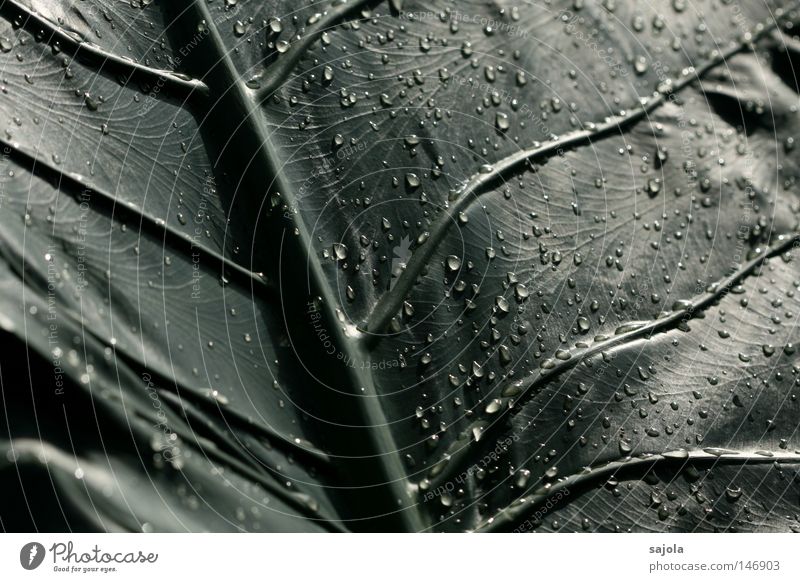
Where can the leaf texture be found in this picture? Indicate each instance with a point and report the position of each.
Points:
(412, 266)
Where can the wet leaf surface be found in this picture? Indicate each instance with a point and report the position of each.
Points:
(399, 266)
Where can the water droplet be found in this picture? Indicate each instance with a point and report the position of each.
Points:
(339, 251)
(453, 263)
(412, 181)
(501, 121)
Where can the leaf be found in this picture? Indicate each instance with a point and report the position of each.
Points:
(399, 266)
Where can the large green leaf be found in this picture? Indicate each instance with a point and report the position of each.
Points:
(363, 265)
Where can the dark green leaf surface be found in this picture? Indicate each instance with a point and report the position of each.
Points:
(408, 266)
